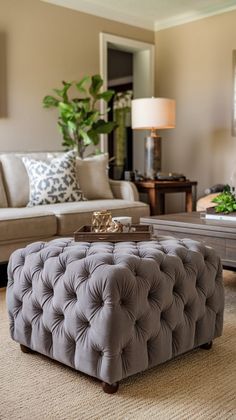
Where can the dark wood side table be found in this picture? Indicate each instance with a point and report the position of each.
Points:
(156, 191)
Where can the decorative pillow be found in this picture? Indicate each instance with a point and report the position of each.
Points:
(53, 182)
(92, 177)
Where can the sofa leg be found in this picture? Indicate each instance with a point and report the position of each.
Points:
(110, 389)
(25, 349)
(207, 346)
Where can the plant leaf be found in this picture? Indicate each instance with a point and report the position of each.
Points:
(96, 84)
(72, 126)
(86, 139)
(65, 89)
(50, 101)
(94, 137)
(104, 127)
(65, 107)
(106, 96)
(226, 202)
(58, 92)
(80, 84)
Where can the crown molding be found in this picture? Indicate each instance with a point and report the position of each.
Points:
(92, 8)
(100, 11)
(187, 18)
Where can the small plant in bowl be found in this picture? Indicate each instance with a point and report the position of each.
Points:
(226, 202)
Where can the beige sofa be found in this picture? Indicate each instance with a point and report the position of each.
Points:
(21, 225)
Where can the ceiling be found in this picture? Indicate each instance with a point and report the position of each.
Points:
(150, 14)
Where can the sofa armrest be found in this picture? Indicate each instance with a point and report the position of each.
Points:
(124, 189)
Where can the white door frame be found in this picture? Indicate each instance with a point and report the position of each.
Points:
(143, 53)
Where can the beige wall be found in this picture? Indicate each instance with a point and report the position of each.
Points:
(194, 66)
(40, 45)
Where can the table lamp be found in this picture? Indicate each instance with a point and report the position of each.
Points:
(152, 114)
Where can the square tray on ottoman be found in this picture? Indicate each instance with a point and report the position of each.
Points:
(111, 310)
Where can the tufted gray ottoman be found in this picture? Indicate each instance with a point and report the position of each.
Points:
(112, 310)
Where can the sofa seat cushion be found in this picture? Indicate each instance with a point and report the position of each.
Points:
(20, 223)
(71, 216)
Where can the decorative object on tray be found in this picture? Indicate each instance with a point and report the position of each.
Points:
(101, 221)
(124, 222)
(225, 208)
(105, 228)
(136, 233)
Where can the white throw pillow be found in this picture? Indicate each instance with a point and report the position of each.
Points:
(53, 182)
(92, 177)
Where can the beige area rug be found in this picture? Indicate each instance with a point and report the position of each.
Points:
(197, 385)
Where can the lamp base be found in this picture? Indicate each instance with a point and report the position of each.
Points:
(152, 156)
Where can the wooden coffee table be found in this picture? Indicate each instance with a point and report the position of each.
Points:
(220, 235)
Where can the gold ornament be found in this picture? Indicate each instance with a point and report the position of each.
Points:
(101, 221)
(115, 227)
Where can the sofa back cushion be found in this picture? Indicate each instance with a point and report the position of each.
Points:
(16, 178)
(3, 196)
(92, 177)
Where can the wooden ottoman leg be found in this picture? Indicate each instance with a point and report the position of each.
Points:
(110, 389)
(25, 349)
(207, 346)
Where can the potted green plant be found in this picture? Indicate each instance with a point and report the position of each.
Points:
(80, 120)
(226, 202)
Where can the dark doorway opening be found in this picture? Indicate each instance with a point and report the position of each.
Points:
(120, 141)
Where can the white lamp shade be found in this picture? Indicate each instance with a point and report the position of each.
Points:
(156, 113)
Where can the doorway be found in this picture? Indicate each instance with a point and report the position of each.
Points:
(120, 141)
(141, 81)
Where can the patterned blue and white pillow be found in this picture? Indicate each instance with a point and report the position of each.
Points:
(53, 182)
